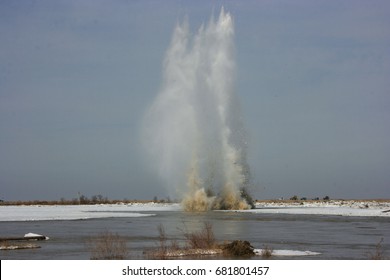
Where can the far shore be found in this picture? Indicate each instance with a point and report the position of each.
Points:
(165, 201)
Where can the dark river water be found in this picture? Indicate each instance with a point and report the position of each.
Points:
(334, 237)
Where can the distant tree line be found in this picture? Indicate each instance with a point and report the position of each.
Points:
(80, 200)
(295, 197)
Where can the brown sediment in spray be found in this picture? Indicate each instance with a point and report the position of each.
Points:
(230, 200)
(198, 201)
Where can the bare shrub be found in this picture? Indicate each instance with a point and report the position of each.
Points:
(203, 239)
(266, 252)
(174, 245)
(163, 248)
(378, 254)
(108, 246)
(197, 243)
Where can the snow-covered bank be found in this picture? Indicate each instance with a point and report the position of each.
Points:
(258, 252)
(78, 212)
(333, 207)
(19, 246)
(287, 253)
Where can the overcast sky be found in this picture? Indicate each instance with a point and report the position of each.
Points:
(76, 78)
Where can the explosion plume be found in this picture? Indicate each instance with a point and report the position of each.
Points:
(193, 131)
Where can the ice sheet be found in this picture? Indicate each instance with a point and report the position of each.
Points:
(78, 212)
(339, 208)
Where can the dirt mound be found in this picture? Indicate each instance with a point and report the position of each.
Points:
(238, 248)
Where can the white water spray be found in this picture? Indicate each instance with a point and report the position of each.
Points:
(193, 130)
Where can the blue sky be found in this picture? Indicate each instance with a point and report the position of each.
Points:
(76, 78)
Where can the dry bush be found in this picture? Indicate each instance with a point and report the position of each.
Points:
(163, 248)
(201, 242)
(203, 239)
(266, 252)
(161, 252)
(378, 254)
(108, 246)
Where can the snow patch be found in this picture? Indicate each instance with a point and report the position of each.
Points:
(288, 253)
(78, 212)
(336, 207)
(30, 234)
